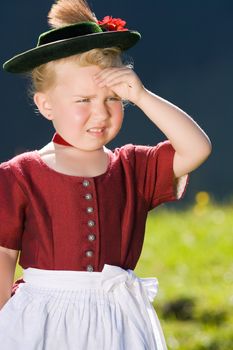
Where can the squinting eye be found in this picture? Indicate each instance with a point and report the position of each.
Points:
(83, 100)
(114, 99)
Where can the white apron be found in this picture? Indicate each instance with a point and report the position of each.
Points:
(79, 310)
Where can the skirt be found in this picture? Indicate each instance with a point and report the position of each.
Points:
(79, 310)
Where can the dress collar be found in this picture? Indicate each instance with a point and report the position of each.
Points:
(58, 139)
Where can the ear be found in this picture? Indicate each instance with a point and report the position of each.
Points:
(43, 104)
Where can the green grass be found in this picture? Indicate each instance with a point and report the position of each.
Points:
(190, 252)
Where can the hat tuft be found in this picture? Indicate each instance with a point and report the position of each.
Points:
(66, 12)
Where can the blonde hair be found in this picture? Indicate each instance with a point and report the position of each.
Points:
(44, 76)
(66, 12)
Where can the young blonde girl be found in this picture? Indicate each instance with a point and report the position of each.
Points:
(75, 210)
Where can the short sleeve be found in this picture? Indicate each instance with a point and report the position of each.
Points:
(12, 209)
(155, 174)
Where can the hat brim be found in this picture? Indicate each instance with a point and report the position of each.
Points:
(28, 60)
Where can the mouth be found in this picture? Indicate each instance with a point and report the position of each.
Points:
(96, 131)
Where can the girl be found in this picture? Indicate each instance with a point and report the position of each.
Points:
(76, 210)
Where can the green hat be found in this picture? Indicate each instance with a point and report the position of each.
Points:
(73, 39)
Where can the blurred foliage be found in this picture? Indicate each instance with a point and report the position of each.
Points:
(190, 252)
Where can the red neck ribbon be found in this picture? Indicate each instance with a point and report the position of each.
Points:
(58, 139)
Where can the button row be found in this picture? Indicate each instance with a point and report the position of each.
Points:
(90, 268)
(86, 183)
(89, 253)
(90, 223)
(88, 196)
(91, 237)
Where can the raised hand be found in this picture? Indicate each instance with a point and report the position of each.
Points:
(123, 81)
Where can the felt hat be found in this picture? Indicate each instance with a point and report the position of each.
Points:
(73, 39)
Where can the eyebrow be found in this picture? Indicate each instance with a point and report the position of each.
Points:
(91, 96)
(84, 96)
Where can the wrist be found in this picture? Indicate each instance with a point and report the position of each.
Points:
(141, 96)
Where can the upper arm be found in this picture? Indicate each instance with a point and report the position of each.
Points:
(11, 253)
(184, 164)
(180, 166)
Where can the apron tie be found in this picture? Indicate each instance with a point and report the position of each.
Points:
(136, 296)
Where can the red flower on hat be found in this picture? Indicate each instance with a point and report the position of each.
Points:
(112, 24)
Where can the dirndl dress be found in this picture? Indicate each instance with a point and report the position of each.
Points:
(79, 310)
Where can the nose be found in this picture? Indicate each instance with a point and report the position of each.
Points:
(101, 112)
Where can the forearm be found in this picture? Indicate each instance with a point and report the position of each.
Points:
(192, 146)
(183, 132)
(8, 260)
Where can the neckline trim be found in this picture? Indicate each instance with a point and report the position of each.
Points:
(59, 140)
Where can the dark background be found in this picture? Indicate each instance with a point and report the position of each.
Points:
(185, 56)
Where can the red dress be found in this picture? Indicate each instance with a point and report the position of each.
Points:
(63, 222)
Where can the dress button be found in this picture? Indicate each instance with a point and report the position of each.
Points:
(89, 253)
(86, 183)
(88, 196)
(91, 223)
(91, 237)
(90, 210)
(90, 268)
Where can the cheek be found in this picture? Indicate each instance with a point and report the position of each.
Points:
(80, 113)
(117, 108)
(119, 112)
(75, 115)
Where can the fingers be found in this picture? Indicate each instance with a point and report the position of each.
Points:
(104, 73)
(110, 81)
(113, 76)
(123, 81)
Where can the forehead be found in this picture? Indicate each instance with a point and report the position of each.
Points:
(73, 79)
(71, 70)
